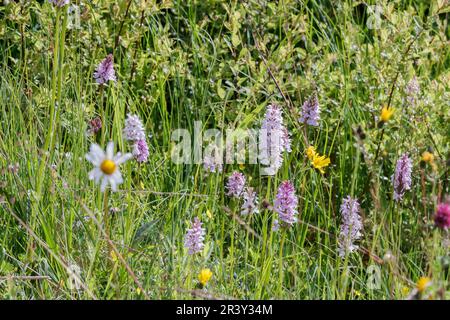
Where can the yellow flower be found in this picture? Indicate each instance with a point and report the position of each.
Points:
(113, 256)
(427, 157)
(320, 162)
(311, 152)
(241, 166)
(386, 113)
(405, 291)
(208, 214)
(204, 276)
(422, 284)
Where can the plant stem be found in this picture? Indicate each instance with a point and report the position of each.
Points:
(106, 213)
(280, 266)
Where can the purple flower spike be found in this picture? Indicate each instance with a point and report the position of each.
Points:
(442, 216)
(235, 184)
(140, 151)
(311, 111)
(351, 226)
(273, 139)
(134, 129)
(402, 177)
(194, 237)
(286, 203)
(105, 70)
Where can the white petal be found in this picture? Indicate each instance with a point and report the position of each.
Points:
(110, 150)
(95, 174)
(94, 159)
(117, 176)
(96, 150)
(95, 155)
(92, 174)
(113, 183)
(104, 184)
(119, 159)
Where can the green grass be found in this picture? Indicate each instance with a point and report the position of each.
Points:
(222, 63)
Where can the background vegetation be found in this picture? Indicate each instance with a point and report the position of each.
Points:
(222, 63)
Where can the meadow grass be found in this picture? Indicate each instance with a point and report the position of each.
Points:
(221, 63)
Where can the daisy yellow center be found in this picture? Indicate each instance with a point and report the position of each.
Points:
(108, 166)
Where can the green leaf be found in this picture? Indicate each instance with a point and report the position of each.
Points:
(220, 91)
(235, 40)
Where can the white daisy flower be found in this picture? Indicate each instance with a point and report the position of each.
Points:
(106, 165)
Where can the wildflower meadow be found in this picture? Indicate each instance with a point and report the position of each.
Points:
(212, 149)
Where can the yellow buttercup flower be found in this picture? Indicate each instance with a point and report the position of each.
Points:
(427, 157)
(204, 276)
(422, 284)
(320, 162)
(311, 152)
(386, 113)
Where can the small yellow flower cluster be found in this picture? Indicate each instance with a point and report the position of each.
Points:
(319, 162)
(405, 291)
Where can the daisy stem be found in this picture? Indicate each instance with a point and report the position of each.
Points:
(105, 213)
(109, 252)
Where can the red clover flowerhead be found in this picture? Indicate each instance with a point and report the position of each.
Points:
(442, 216)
